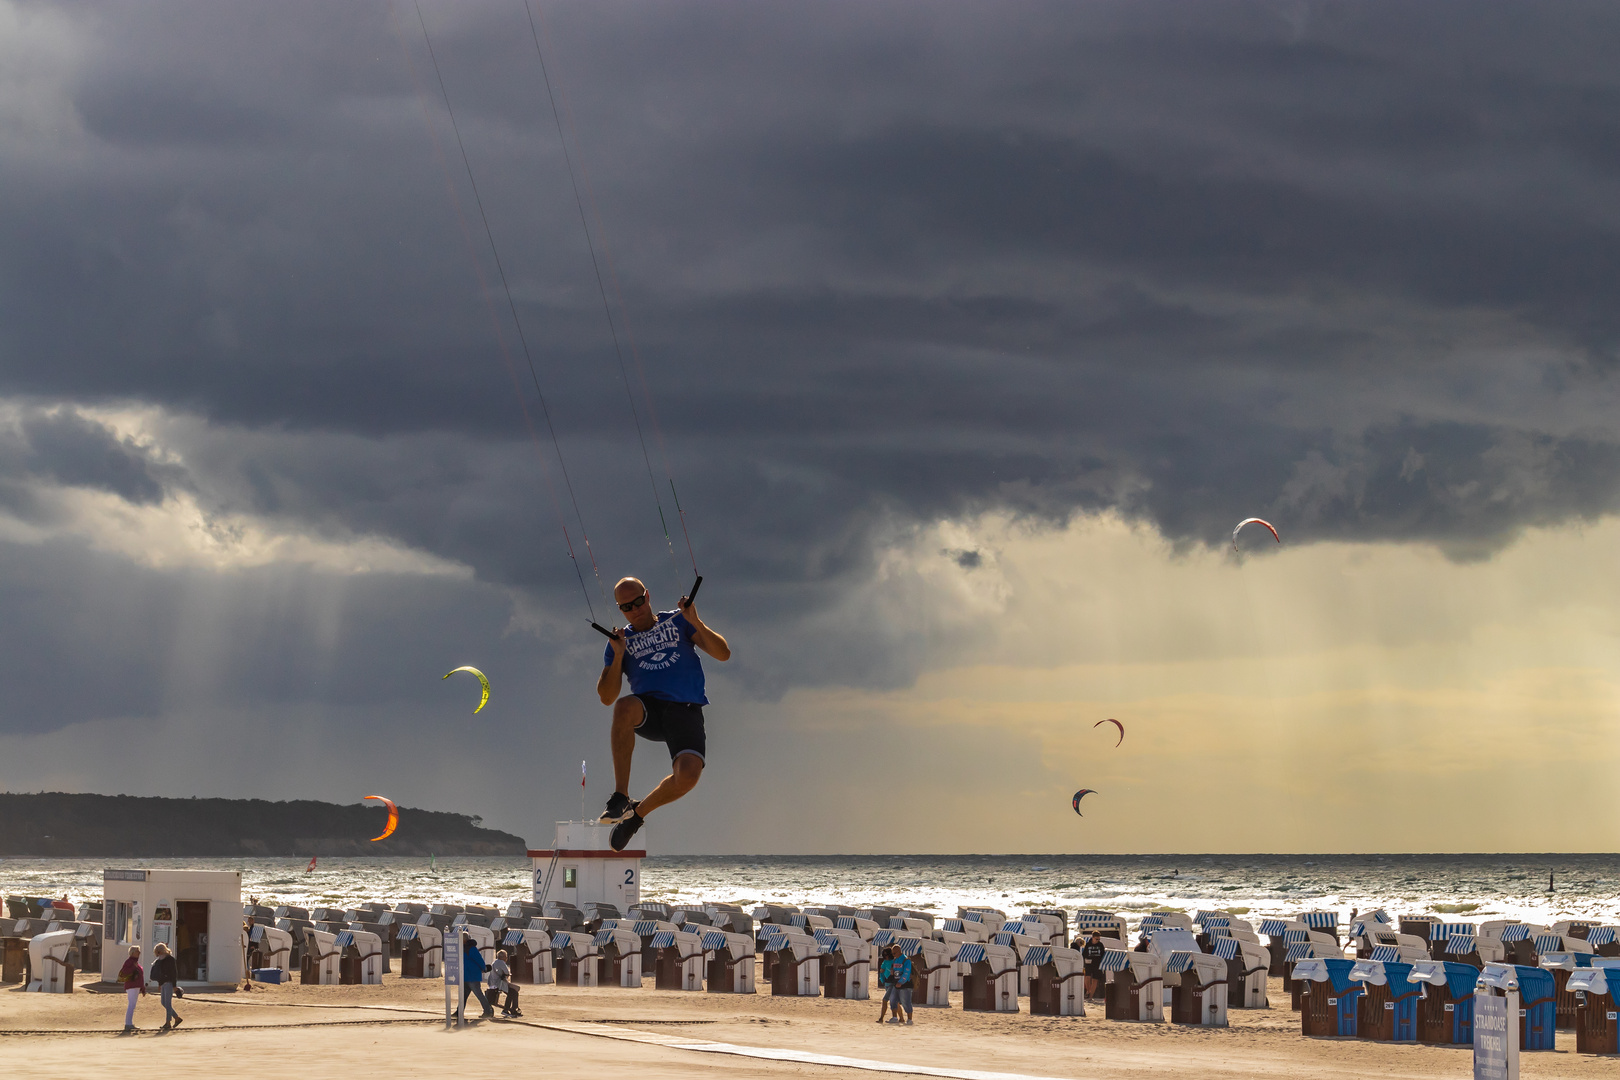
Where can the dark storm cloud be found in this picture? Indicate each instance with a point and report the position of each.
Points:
(1348, 266)
(76, 452)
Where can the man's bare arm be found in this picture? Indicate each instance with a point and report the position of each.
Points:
(612, 677)
(704, 638)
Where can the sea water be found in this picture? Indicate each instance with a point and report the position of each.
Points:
(1463, 888)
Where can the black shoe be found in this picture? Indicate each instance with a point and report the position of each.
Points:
(624, 830)
(619, 807)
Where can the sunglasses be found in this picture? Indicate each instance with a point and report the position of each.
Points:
(632, 605)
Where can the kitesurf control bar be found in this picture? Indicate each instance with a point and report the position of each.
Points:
(690, 597)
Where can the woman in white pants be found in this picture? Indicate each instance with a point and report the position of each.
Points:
(134, 979)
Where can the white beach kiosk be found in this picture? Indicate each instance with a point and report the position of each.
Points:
(581, 867)
(196, 913)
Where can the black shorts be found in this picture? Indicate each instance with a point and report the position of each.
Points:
(676, 724)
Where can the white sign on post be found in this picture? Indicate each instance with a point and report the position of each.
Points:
(451, 966)
(1496, 1035)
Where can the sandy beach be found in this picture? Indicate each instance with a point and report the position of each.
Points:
(396, 1030)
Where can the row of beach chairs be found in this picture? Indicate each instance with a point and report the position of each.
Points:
(1411, 979)
(1415, 980)
(43, 942)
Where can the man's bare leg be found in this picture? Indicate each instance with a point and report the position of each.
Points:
(684, 775)
(627, 713)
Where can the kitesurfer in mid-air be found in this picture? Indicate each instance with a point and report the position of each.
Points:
(665, 702)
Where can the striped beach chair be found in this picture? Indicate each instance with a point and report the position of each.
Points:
(991, 984)
(1107, 923)
(529, 950)
(1597, 1029)
(1019, 944)
(1200, 994)
(730, 962)
(1389, 1008)
(1446, 1009)
(1464, 949)
(795, 968)
(1296, 952)
(618, 949)
(1328, 997)
(677, 960)
(574, 958)
(1058, 986)
(1325, 922)
(845, 964)
(1133, 986)
(1276, 947)
(1518, 946)
(931, 967)
(1246, 966)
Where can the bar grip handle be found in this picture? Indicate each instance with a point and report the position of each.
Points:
(691, 597)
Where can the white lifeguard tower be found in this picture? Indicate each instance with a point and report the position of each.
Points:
(581, 867)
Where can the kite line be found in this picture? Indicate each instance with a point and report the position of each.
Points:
(593, 239)
(607, 308)
(522, 338)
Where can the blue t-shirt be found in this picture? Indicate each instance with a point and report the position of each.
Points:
(661, 661)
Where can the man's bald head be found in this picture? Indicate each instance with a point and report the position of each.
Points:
(630, 591)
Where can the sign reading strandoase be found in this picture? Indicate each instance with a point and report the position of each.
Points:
(1496, 1035)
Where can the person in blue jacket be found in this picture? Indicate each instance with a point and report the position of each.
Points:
(658, 651)
(472, 977)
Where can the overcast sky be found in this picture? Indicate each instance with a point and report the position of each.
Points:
(966, 332)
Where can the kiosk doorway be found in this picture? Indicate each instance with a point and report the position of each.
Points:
(191, 940)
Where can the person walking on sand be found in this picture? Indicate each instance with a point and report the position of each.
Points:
(472, 974)
(900, 973)
(166, 973)
(133, 978)
(658, 651)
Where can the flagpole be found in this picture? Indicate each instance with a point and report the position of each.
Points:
(582, 791)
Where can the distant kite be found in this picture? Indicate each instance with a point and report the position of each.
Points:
(1082, 793)
(1116, 723)
(393, 816)
(483, 700)
(1253, 521)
